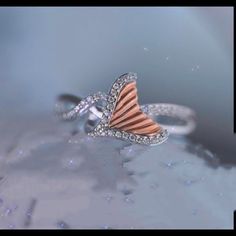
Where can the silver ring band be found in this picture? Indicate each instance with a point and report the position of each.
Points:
(118, 114)
(154, 110)
(182, 113)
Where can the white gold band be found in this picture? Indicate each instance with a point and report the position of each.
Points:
(79, 107)
(182, 113)
(118, 114)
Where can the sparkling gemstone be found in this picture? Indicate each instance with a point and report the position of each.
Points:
(116, 86)
(118, 134)
(120, 80)
(96, 97)
(106, 113)
(125, 135)
(152, 139)
(111, 99)
(126, 79)
(100, 130)
(132, 137)
(82, 103)
(109, 132)
(133, 76)
(138, 139)
(89, 99)
(104, 120)
(113, 92)
(109, 106)
(99, 127)
(162, 135)
(145, 140)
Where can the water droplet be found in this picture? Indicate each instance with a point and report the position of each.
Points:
(109, 198)
(62, 225)
(209, 153)
(129, 151)
(195, 67)
(20, 153)
(128, 200)
(169, 164)
(72, 163)
(15, 207)
(106, 227)
(11, 226)
(145, 49)
(8, 211)
(130, 173)
(126, 160)
(189, 182)
(127, 191)
(186, 162)
(29, 212)
(73, 141)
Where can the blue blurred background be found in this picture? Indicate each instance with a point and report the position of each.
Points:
(182, 55)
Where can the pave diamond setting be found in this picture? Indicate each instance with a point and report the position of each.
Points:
(118, 114)
(103, 129)
(82, 107)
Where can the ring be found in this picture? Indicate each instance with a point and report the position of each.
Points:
(118, 114)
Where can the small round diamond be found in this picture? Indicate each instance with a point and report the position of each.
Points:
(162, 135)
(145, 140)
(109, 132)
(106, 113)
(111, 99)
(94, 134)
(82, 103)
(104, 120)
(113, 92)
(98, 127)
(120, 81)
(118, 134)
(116, 86)
(138, 139)
(95, 97)
(89, 99)
(131, 137)
(125, 135)
(110, 107)
(152, 139)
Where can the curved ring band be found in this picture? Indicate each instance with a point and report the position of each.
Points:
(118, 114)
(182, 113)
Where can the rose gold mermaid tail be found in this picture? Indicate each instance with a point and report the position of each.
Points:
(127, 115)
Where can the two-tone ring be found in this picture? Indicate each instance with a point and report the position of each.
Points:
(118, 114)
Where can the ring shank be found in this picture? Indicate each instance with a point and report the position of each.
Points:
(154, 110)
(182, 113)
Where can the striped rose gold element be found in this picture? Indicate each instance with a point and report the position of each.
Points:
(127, 115)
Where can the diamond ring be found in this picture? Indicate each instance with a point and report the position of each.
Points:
(118, 114)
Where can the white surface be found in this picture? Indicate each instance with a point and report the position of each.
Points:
(100, 183)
